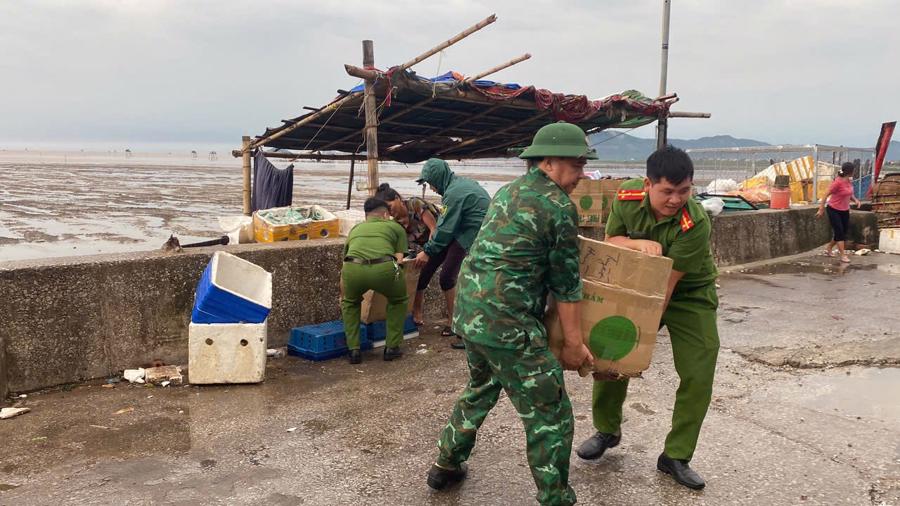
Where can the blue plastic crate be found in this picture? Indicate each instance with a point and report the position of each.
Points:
(232, 290)
(378, 330)
(324, 341)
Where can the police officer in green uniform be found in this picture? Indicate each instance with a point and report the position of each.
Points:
(372, 256)
(526, 249)
(658, 216)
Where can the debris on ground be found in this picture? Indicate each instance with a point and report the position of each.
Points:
(122, 411)
(276, 352)
(23, 396)
(292, 429)
(11, 412)
(134, 375)
(157, 375)
(104, 427)
(165, 383)
(113, 380)
(862, 252)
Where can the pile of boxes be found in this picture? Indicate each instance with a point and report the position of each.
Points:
(227, 335)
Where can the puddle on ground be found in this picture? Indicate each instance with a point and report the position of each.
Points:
(867, 393)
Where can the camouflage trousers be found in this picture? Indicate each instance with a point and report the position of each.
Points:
(533, 380)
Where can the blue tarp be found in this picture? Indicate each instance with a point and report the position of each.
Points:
(448, 78)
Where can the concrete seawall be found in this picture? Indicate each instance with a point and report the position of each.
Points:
(67, 320)
(740, 238)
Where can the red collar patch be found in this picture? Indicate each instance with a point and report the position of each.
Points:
(686, 222)
(630, 195)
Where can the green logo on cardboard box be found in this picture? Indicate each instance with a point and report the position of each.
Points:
(586, 202)
(613, 337)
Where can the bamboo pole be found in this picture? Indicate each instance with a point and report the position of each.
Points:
(367, 74)
(307, 156)
(685, 114)
(492, 134)
(371, 119)
(312, 117)
(350, 182)
(397, 114)
(449, 42)
(456, 126)
(245, 153)
(498, 68)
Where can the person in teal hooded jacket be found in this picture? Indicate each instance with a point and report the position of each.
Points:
(465, 204)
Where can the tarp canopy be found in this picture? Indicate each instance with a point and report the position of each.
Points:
(446, 117)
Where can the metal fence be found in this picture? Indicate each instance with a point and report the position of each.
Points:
(742, 163)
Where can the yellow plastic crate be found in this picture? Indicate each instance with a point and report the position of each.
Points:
(264, 231)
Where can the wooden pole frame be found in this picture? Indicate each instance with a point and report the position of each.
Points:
(245, 164)
(371, 119)
(449, 42)
(312, 117)
(498, 68)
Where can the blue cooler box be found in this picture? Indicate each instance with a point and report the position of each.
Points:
(232, 290)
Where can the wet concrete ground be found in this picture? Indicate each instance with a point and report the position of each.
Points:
(789, 424)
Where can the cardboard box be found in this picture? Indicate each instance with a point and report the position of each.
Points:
(593, 198)
(623, 301)
(374, 305)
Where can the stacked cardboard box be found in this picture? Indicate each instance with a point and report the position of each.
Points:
(623, 301)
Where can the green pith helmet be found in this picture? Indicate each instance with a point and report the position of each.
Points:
(559, 139)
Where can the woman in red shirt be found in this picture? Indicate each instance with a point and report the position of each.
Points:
(838, 204)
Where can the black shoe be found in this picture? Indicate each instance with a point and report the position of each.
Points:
(392, 353)
(355, 357)
(439, 478)
(594, 447)
(680, 472)
(458, 344)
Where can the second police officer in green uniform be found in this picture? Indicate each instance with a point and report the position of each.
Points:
(372, 256)
(657, 215)
(526, 249)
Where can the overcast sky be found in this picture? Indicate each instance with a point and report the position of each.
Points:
(142, 71)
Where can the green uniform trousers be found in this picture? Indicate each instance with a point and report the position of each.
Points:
(691, 320)
(384, 279)
(533, 380)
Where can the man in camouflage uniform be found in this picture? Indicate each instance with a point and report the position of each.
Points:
(527, 248)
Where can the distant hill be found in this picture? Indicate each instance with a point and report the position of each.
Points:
(619, 146)
(893, 151)
(622, 147)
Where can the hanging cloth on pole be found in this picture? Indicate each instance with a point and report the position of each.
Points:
(272, 187)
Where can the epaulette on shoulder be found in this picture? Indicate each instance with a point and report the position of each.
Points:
(630, 194)
(687, 222)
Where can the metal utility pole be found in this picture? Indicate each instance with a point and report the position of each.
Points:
(663, 123)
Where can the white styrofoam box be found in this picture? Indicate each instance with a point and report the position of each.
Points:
(889, 240)
(226, 353)
(349, 218)
(242, 278)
